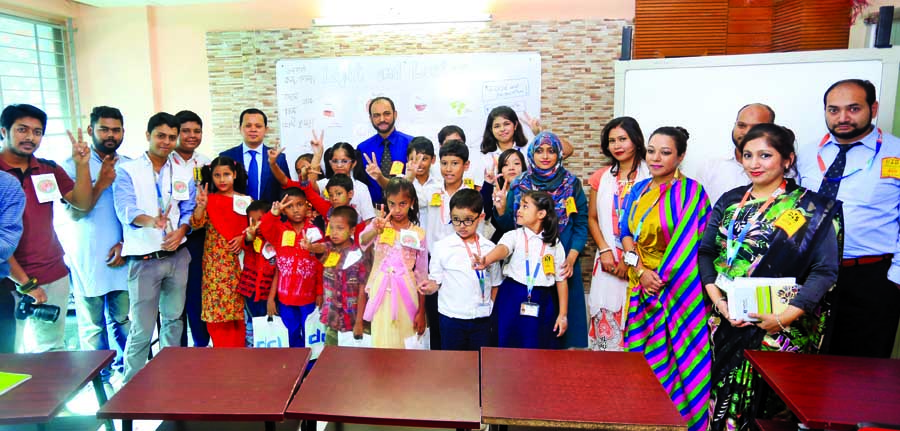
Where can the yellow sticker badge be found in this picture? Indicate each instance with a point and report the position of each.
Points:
(570, 206)
(288, 238)
(397, 168)
(548, 264)
(388, 236)
(890, 167)
(257, 244)
(790, 222)
(332, 260)
(436, 200)
(469, 183)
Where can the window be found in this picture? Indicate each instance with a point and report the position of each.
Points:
(35, 64)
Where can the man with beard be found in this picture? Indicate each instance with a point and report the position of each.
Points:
(387, 145)
(859, 164)
(92, 241)
(722, 175)
(154, 201)
(37, 264)
(190, 136)
(253, 155)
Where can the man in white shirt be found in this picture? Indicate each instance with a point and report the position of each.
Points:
(154, 200)
(190, 136)
(722, 175)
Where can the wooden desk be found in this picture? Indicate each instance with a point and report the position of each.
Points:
(56, 377)
(435, 389)
(832, 392)
(578, 389)
(218, 384)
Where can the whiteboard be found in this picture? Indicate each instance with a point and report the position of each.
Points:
(703, 94)
(429, 92)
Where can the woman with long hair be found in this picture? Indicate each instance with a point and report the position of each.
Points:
(622, 142)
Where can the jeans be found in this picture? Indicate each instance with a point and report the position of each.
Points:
(101, 318)
(39, 336)
(156, 287)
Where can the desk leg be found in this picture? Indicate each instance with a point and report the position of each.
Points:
(270, 426)
(308, 425)
(127, 425)
(101, 399)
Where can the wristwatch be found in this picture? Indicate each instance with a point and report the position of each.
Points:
(630, 258)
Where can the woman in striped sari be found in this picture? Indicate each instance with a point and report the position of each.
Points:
(660, 231)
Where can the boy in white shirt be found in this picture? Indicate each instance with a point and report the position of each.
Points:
(454, 160)
(466, 297)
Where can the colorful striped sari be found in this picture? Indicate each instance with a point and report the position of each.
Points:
(669, 328)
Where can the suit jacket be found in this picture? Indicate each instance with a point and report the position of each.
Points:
(269, 188)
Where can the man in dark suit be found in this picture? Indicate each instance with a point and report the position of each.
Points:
(253, 155)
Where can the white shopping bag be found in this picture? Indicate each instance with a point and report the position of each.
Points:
(314, 330)
(419, 342)
(269, 332)
(346, 339)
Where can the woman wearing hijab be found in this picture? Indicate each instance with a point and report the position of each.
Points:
(546, 173)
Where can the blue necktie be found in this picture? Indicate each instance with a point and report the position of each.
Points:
(831, 182)
(253, 177)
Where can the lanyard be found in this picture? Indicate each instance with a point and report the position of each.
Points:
(732, 246)
(478, 273)
(529, 276)
(159, 198)
(822, 167)
(640, 226)
(619, 202)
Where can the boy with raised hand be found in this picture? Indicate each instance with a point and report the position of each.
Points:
(466, 297)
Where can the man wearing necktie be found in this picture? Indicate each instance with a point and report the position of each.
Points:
(253, 155)
(859, 164)
(388, 145)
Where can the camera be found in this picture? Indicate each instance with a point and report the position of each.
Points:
(27, 308)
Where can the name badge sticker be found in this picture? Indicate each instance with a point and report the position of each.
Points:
(410, 239)
(180, 191)
(268, 251)
(388, 236)
(469, 183)
(352, 257)
(549, 265)
(790, 221)
(571, 208)
(257, 244)
(436, 200)
(397, 168)
(45, 188)
(288, 238)
(313, 234)
(332, 260)
(240, 203)
(890, 167)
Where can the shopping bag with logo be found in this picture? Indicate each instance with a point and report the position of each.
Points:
(314, 330)
(269, 332)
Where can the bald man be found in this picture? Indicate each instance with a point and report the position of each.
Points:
(722, 175)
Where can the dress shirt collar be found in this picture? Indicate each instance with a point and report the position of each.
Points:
(868, 141)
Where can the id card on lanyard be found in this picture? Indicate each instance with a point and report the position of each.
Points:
(529, 308)
(478, 272)
(165, 207)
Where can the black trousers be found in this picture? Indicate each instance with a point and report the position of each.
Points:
(193, 302)
(866, 312)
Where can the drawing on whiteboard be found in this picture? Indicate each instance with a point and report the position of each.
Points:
(506, 89)
(328, 111)
(419, 104)
(458, 106)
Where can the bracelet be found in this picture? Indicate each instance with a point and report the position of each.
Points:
(640, 273)
(607, 249)
(778, 320)
(29, 285)
(717, 304)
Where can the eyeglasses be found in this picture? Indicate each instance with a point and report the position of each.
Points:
(340, 162)
(463, 222)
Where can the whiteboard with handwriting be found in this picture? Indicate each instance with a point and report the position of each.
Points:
(429, 91)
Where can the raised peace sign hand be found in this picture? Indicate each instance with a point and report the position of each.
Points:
(107, 171)
(490, 174)
(381, 220)
(372, 167)
(277, 206)
(203, 196)
(81, 153)
(533, 123)
(500, 198)
(275, 151)
(317, 143)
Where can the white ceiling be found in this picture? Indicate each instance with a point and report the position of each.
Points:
(123, 3)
